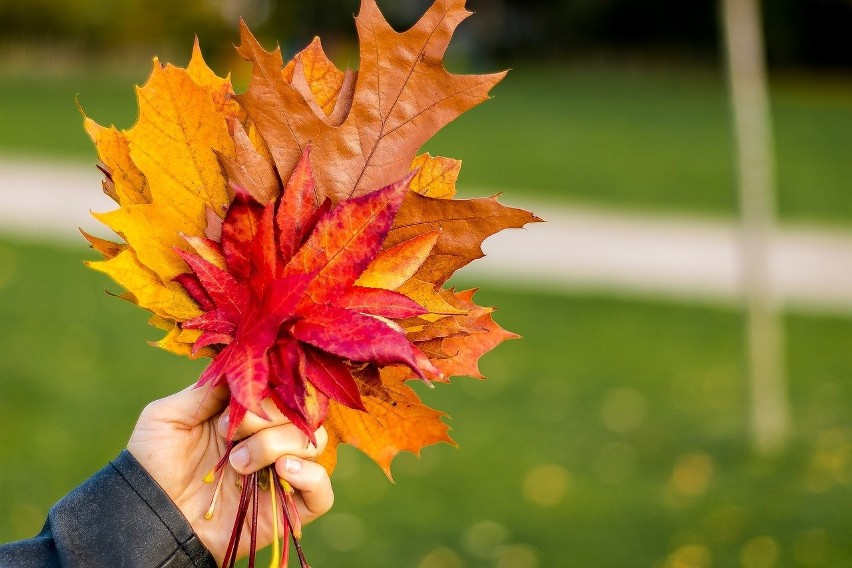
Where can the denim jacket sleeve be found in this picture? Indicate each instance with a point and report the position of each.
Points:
(120, 518)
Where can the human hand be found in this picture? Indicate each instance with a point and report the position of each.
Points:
(180, 438)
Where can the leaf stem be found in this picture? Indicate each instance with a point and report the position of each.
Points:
(291, 516)
(276, 552)
(254, 512)
(234, 542)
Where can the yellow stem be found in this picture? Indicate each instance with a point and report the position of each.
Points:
(276, 553)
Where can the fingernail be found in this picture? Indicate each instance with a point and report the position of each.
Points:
(224, 420)
(239, 458)
(292, 465)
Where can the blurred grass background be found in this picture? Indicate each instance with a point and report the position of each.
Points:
(614, 434)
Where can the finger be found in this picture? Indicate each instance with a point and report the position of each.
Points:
(191, 406)
(252, 423)
(264, 447)
(313, 483)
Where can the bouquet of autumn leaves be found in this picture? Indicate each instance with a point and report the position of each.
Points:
(293, 235)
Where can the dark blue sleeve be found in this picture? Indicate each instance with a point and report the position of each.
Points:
(119, 517)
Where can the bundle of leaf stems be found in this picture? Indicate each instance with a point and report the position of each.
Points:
(281, 497)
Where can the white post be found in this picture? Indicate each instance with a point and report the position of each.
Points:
(750, 101)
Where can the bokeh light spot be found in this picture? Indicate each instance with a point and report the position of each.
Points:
(689, 556)
(441, 558)
(484, 538)
(760, 552)
(692, 473)
(831, 462)
(517, 556)
(546, 484)
(623, 410)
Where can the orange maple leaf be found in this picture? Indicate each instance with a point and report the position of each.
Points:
(401, 97)
(396, 420)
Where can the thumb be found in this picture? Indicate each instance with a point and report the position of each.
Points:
(193, 405)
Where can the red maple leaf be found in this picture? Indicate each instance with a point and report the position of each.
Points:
(283, 309)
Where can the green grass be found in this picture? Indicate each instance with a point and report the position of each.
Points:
(654, 140)
(637, 409)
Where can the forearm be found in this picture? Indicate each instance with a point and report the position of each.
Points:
(118, 517)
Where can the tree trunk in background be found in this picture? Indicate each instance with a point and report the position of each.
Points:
(748, 85)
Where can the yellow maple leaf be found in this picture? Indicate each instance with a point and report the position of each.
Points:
(168, 301)
(436, 176)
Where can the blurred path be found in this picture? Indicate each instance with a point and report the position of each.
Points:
(48, 201)
(579, 248)
(693, 258)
